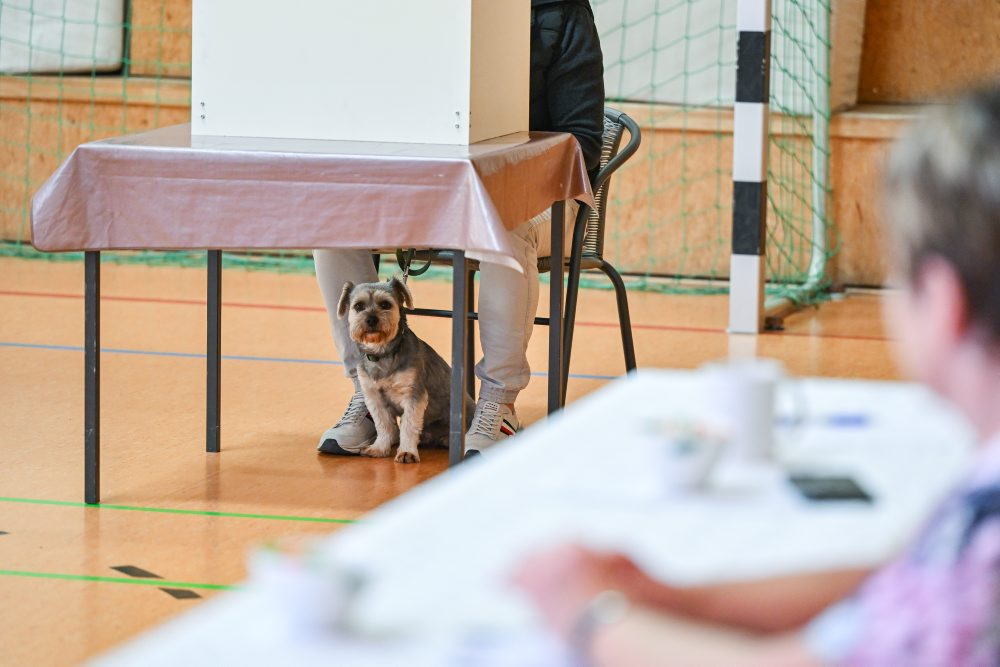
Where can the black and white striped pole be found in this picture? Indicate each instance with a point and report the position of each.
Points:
(750, 148)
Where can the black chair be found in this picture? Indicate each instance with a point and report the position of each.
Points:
(586, 253)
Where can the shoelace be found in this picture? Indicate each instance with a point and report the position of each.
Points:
(356, 410)
(488, 420)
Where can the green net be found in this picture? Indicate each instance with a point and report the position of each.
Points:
(672, 65)
(73, 71)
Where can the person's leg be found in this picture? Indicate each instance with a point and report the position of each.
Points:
(355, 429)
(508, 301)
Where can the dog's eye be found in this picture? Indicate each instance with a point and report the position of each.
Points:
(358, 307)
(384, 305)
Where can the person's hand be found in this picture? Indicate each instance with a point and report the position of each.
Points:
(562, 581)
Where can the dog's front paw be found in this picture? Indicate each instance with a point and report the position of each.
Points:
(377, 451)
(404, 456)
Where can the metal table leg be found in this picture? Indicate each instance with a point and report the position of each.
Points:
(556, 308)
(470, 335)
(213, 353)
(92, 378)
(459, 332)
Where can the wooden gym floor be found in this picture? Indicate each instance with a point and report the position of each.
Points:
(173, 511)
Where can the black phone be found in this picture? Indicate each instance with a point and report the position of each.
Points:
(821, 488)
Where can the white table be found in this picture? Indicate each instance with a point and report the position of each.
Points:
(436, 558)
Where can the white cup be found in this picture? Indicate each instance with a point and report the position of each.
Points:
(309, 592)
(740, 400)
(689, 455)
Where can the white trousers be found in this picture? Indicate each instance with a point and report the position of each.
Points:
(508, 301)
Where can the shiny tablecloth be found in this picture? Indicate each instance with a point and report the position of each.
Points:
(166, 189)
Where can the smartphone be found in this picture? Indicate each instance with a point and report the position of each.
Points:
(822, 488)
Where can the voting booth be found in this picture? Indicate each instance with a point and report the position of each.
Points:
(427, 71)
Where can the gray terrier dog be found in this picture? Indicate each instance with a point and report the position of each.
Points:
(401, 376)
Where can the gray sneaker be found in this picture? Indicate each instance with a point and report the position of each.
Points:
(491, 424)
(352, 433)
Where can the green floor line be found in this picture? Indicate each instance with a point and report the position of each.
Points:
(168, 510)
(159, 583)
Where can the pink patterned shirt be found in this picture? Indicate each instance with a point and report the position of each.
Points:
(938, 605)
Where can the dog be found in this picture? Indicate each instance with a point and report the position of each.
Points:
(400, 375)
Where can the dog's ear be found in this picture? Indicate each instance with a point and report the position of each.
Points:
(345, 300)
(402, 292)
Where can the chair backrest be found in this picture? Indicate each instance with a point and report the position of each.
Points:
(612, 157)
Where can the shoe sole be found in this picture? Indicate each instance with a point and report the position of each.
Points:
(332, 448)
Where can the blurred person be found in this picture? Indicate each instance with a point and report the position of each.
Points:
(937, 604)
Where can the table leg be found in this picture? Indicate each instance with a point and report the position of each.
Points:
(556, 307)
(213, 353)
(459, 329)
(470, 335)
(92, 378)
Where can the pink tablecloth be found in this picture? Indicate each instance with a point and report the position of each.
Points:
(165, 189)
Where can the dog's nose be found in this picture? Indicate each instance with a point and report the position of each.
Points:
(371, 320)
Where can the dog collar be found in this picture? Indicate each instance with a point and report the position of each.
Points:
(388, 353)
(379, 357)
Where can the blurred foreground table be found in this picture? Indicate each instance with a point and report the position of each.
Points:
(434, 562)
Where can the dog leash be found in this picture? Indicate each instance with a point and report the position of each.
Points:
(404, 258)
(407, 263)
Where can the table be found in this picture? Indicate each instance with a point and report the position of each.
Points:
(437, 591)
(168, 190)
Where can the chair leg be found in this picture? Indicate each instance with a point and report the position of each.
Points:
(470, 336)
(572, 293)
(624, 321)
(556, 302)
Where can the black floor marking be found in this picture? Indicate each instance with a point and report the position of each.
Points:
(180, 593)
(137, 572)
(4, 532)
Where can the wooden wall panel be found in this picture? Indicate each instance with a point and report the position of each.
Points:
(921, 50)
(161, 38)
(653, 226)
(38, 134)
(856, 169)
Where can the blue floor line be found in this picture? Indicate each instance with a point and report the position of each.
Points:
(234, 357)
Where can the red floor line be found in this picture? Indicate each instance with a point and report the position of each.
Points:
(152, 299)
(653, 327)
(802, 334)
(317, 309)
(683, 329)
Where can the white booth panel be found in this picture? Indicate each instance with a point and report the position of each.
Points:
(391, 70)
(501, 67)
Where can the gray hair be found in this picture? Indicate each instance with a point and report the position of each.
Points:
(943, 199)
